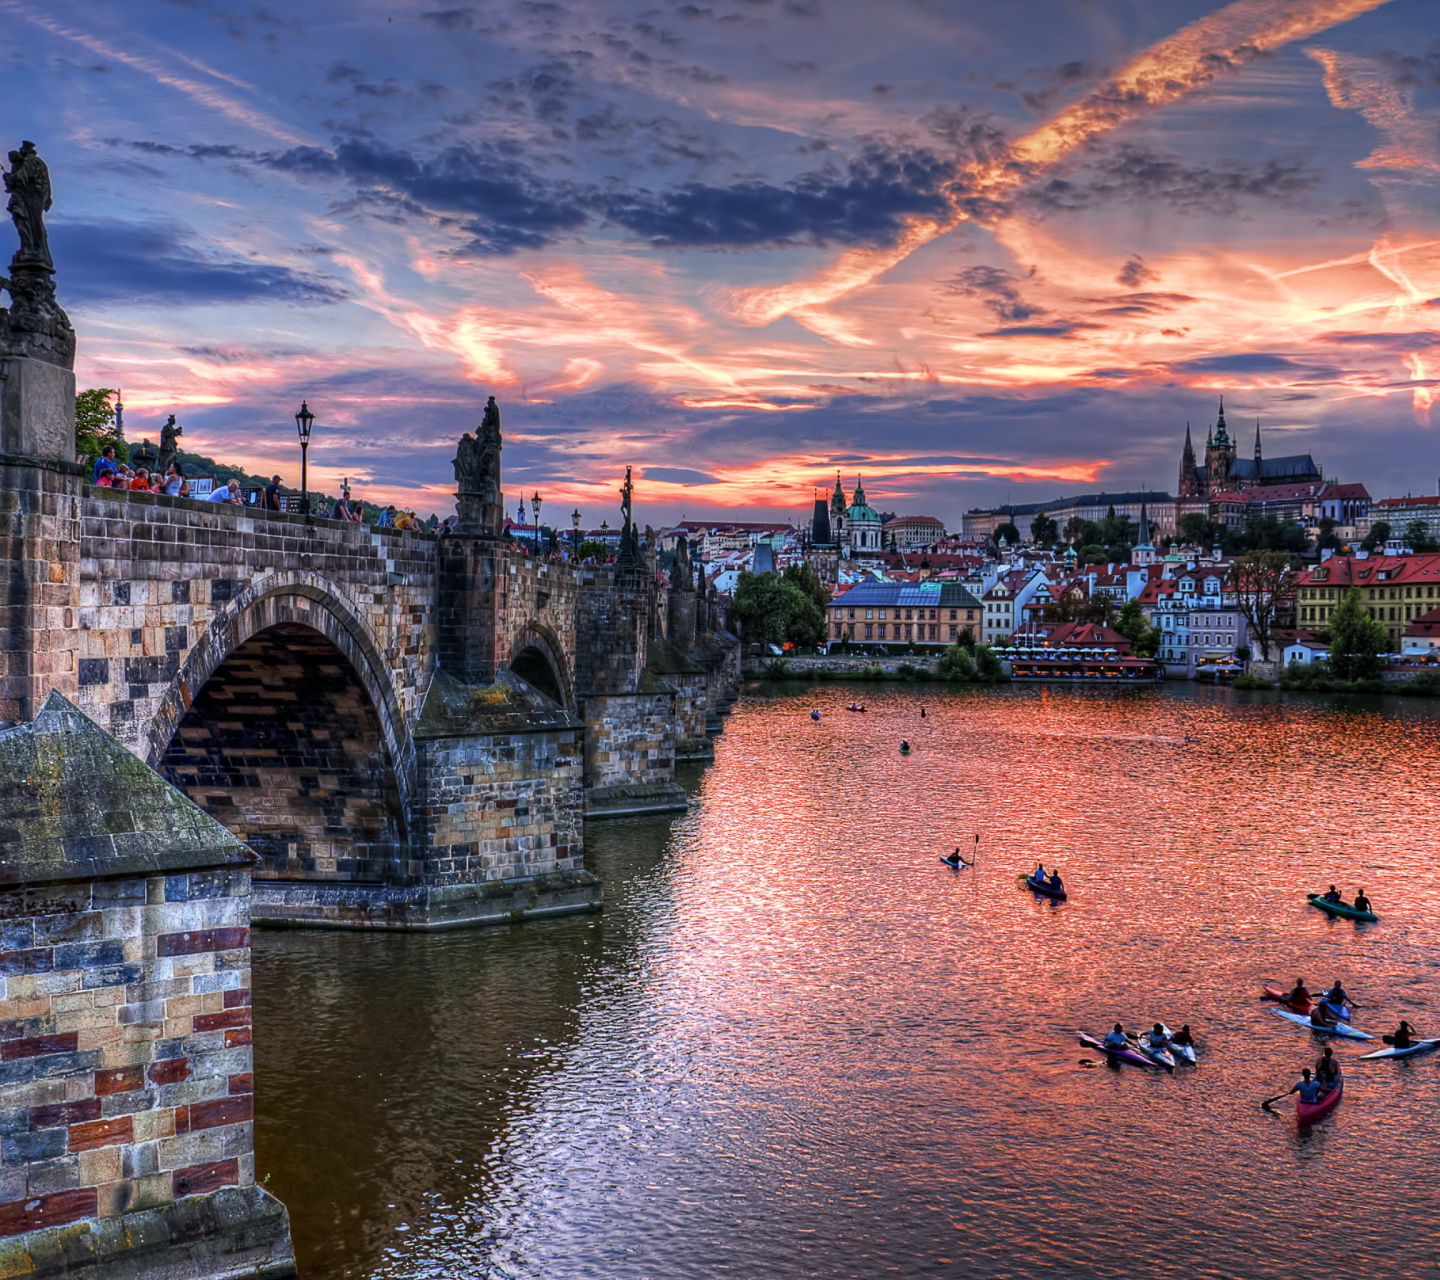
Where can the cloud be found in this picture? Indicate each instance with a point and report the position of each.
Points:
(997, 288)
(678, 475)
(1135, 273)
(1255, 363)
(1398, 343)
(106, 261)
(1061, 329)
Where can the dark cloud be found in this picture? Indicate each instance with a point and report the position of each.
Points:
(1135, 273)
(107, 261)
(998, 289)
(1127, 173)
(866, 203)
(1409, 71)
(678, 475)
(1247, 364)
(1061, 329)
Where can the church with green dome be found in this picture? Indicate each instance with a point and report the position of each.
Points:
(856, 526)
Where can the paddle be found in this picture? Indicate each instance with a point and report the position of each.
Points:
(1266, 1105)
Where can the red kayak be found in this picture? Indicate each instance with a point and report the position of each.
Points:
(1309, 1112)
(1284, 997)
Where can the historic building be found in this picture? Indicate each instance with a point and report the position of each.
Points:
(903, 613)
(855, 527)
(1224, 471)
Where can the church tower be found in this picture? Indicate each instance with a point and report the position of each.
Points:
(1219, 456)
(838, 508)
(1189, 486)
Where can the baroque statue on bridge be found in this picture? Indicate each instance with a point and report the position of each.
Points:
(28, 183)
(169, 443)
(477, 460)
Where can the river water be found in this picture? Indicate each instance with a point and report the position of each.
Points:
(796, 1045)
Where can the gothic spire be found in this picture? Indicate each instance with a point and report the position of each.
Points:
(1222, 436)
(1257, 442)
(1143, 537)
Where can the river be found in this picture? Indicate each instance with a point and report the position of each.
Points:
(796, 1045)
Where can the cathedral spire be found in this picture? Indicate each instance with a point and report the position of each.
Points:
(1222, 436)
(1257, 442)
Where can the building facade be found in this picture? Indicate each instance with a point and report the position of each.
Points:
(1396, 590)
(899, 614)
(1224, 471)
(905, 532)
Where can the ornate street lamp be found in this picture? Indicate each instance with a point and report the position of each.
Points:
(535, 506)
(304, 422)
(575, 521)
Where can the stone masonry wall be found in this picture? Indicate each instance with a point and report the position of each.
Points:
(502, 806)
(125, 1059)
(630, 752)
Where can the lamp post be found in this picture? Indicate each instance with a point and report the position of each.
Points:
(535, 507)
(575, 521)
(304, 421)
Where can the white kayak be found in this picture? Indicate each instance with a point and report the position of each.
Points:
(1185, 1051)
(1410, 1050)
(1162, 1055)
(1303, 1020)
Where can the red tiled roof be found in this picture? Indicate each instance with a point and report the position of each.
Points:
(1392, 503)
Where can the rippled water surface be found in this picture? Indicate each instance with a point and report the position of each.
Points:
(794, 1044)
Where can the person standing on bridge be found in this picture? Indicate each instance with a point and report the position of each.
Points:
(272, 494)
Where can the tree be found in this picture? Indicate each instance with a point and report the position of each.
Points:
(95, 424)
(1356, 640)
(1264, 590)
(801, 575)
(774, 611)
(1378, 536)
(1144, 639)
(1197, 529)
(1079, 533)
(956, 665)
(1327, 541)
(1270, 533)
(1008, 531)
(1043, 530)
(1418, 539)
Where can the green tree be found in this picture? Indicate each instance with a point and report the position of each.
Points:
(956, 665)
(987, 665)
(1379, 534)
(593, 549)
(1197, 529)
(95, 424)
(1356, 640)
(1327, 541)
(1044, 530)
(1080, 533)
(1418, 539)
(774, 611)
(801, 575)
(1270, 533)
(1008, 531)
(1144, 639)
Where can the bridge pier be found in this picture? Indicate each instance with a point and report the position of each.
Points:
(126, 1117)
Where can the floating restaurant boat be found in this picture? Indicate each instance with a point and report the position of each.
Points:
(1074, 664)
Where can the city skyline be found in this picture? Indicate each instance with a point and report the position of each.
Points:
(975, 259)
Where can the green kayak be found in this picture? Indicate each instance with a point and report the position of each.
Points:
(1340, 909)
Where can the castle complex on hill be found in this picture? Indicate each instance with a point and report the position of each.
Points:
(1225, 472)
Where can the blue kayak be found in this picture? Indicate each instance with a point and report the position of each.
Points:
(1050, 892)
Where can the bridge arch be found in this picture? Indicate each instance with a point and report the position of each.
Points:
(283, 722)
(537, 656)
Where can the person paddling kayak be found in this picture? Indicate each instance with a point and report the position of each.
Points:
(1362, 903)
(1327, 1070)
(1337, 998)
(1156, 1037)
(1403, 1038)
(1184, 1037)
(1322, 1016)
(1332, 896)
(1117, 1039)
(904, 745)
(1056, 884)
(1299, 995)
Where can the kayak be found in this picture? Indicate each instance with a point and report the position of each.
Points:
(1341, 1011)
(1185, 1051)
(1410, 1050)
(1309, 1112)
(1303, 1020)
(1341, 909)
(954, 866)
(1284, 997)
(1058, 894)
(1132, 1056)
(1163, 1056)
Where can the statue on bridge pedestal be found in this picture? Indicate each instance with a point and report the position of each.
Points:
(35, 324)
(477, 472)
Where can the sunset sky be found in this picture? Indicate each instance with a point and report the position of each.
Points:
(981, 251)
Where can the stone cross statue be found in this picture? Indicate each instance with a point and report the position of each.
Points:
(28, 183)
(170, 435)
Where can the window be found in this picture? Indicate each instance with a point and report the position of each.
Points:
(934, 631)
(869, 630)
(909, 613)
(953, 614)
(934, 613)
(909, 631)
(882, 626)
(852, 613)
(952, 629)
(869, 613)
(969, 615)
(882, 619)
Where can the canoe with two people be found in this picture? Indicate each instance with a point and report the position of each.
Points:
(1333, 904)
(1051, 886)
(1314, 1101)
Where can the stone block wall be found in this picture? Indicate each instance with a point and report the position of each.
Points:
(630, 754)
(125, 1058)
(502, 806)
(39, 545)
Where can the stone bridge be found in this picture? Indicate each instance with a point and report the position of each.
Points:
(411, 731)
